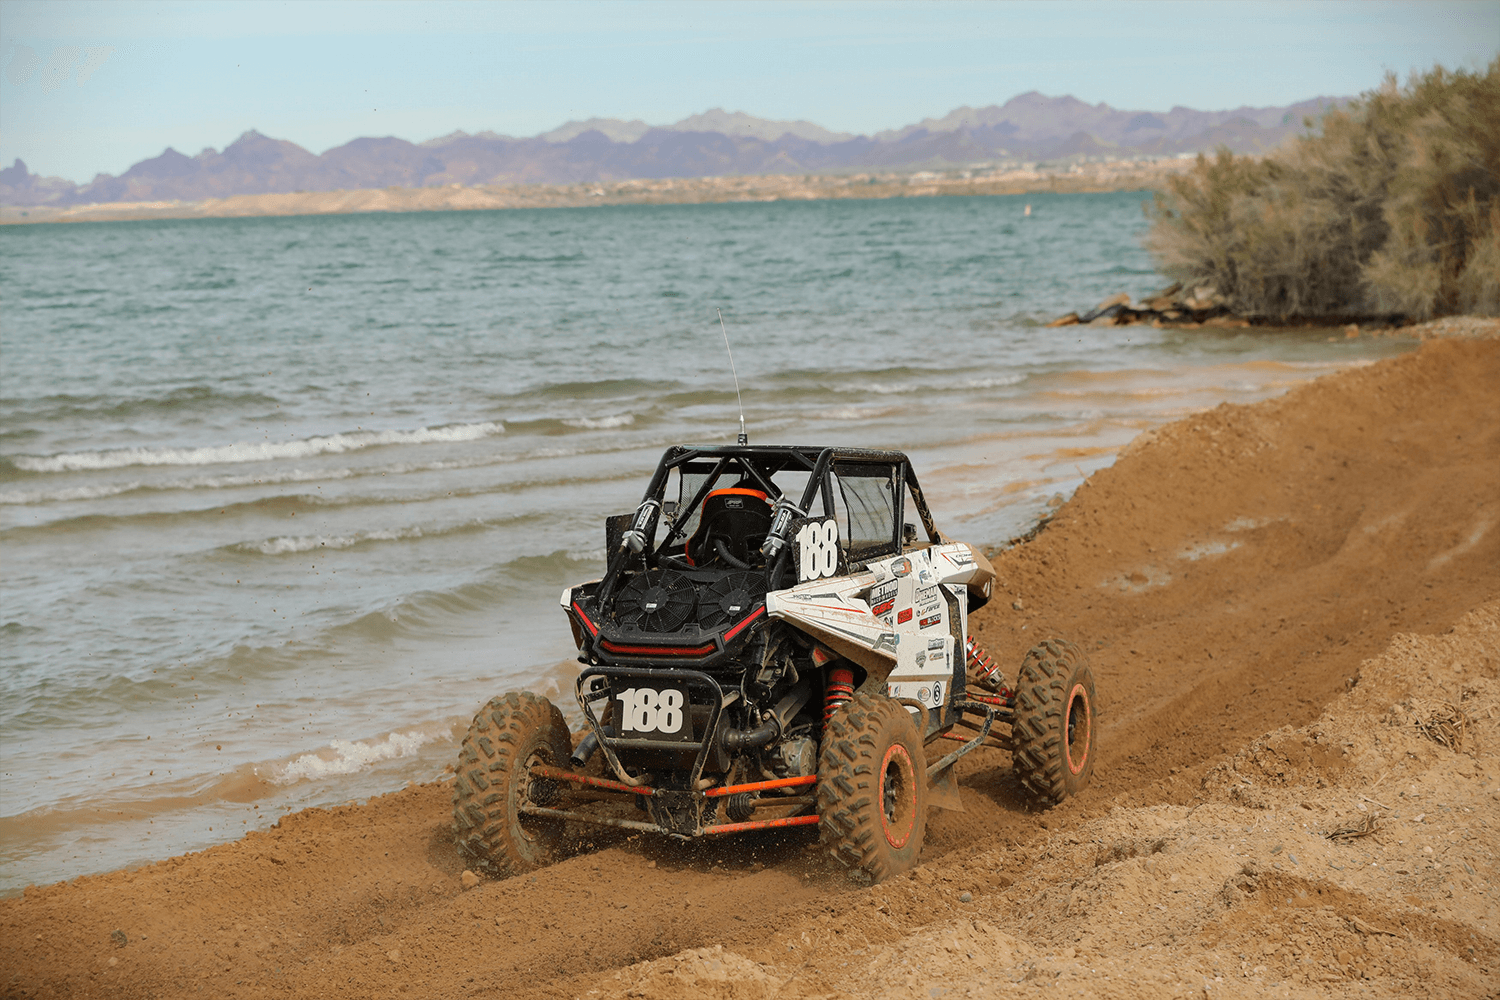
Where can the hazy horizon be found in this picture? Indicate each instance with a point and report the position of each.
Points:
(94, 87)
(561, 126)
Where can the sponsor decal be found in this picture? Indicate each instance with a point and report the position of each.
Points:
(930, 621)
(849, 615)
(921, 657)
(922, 695)
(924, 576)
(883, 598)
(963, 557)
(936, 643)
(903, 616)
(887, 641)
(901, 567)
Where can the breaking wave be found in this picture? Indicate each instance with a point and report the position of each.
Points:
(350, 756)
(261, 451)
(103, 490)
(997, 382)
(601, 423)
(291, 544)
(288, 544)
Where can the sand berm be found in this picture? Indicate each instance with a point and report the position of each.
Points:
(1293, 611)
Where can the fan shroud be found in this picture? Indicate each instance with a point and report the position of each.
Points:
(730, 599)
(657, 600)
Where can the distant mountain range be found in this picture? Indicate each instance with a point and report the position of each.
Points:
(1029, 127)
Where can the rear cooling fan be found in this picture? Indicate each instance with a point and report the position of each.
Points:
(656, 601)
(730, 599)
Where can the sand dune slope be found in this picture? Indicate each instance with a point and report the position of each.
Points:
(1292, 612)
(1355, 855)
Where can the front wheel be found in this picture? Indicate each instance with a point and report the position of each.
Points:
(509, 736)
(872, 787)
(1053, 735)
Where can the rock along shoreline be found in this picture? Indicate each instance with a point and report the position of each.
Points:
(1204, 306)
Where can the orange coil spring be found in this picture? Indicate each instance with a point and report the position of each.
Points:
(984, 668)
(840, 691)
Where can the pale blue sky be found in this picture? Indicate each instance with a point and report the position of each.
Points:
(94, 87)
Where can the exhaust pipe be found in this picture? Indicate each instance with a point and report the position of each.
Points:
(584, 750)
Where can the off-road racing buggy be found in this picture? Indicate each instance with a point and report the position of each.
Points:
(775, 646)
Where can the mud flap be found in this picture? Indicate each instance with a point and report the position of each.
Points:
(942, 791)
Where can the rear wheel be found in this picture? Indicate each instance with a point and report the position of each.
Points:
(872, 787)
(1053, 735)
(512, 734)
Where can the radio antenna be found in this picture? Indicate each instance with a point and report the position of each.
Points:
(744, 438)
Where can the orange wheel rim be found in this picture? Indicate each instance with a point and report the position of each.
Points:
(898, 787)
(1080, 723)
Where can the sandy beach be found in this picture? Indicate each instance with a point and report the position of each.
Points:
(1120, 175)
(1293, 611)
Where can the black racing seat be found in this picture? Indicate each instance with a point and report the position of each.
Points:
(733, 528)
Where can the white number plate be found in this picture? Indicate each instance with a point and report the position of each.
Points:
(661, 713)
(818, 550)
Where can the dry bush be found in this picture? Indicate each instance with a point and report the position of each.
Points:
(1394, 209)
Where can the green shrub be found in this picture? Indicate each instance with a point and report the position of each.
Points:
(1394, 209)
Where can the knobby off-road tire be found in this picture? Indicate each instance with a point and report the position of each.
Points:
(872, 787)
(509, 735)
(1054, 735)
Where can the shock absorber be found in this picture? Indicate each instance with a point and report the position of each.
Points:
(983, 669)
(840, 691)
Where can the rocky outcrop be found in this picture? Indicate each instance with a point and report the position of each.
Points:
(1172, 306)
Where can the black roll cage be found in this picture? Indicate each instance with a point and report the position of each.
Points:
(762, 462)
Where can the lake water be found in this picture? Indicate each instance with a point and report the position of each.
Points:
(282, 501)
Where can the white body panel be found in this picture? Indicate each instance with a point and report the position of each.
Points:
(894, 618)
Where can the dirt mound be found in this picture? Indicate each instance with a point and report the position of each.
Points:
(1229, 575)
(1292, 875)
